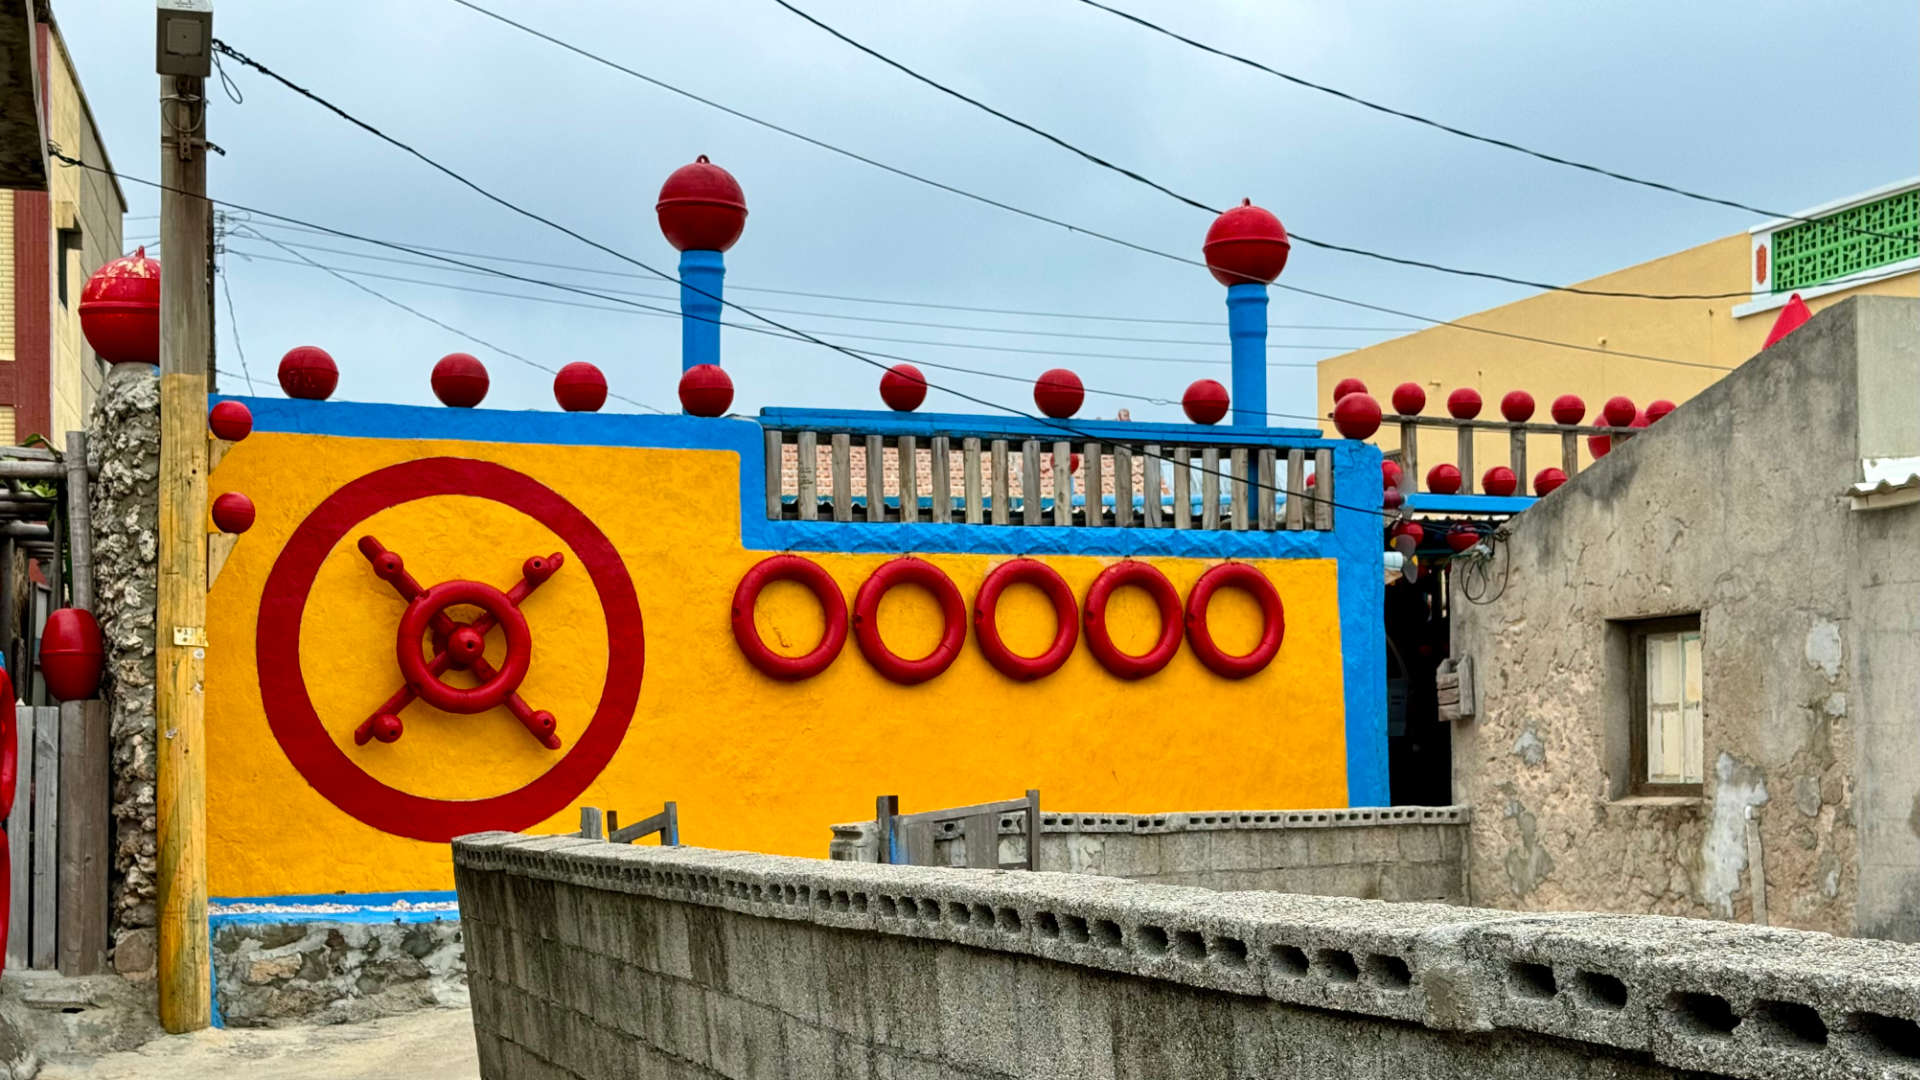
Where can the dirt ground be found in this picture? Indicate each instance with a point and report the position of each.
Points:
(436, 1044)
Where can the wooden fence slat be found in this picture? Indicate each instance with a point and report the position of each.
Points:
(1182, 488)
(1323, 482)
(1409, 457)
(773, 474)
(1150, 474)
(1264, 485)
(1002, 485)
(1297, 489)
(941, 479)
(970, 478)
(20, 840)
(1062, 483)
(1238, 456)
(876, 478)
(1210, 488)
(1517, 459)
(84, 830)
(46, 835)
(842, 477)
(983, 841)
(806, 502)
(1570, 453)
(1093, 458)
(1465, 460)
(1123, 486)
(907, 464)
(1030, 481)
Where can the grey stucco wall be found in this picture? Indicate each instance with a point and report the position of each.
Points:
(1733, 507)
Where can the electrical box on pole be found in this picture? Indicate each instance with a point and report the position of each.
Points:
(184, 43)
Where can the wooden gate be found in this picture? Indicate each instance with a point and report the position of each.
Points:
(908, 839)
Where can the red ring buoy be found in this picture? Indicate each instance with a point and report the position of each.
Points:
(834, 606)
(494, 691)
(1273, 620)
(908, 570)
(1164, 594)
(1065, 612)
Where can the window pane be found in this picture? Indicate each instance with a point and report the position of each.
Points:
(1693, 771)
(1690, 644)
(1664, 674)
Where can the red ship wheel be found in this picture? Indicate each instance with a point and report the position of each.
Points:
(459, 645)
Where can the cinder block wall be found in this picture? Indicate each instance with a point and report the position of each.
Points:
(592, 960)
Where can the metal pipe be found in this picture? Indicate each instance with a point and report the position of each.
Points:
(24, 531)
(32, 470)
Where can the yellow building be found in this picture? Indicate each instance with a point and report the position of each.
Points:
(1696, 341)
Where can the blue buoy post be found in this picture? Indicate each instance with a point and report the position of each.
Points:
(1247, 331)
(702, 275)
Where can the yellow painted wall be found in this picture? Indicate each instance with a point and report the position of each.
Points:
(754, 764)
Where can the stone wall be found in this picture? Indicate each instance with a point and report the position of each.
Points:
(270, 974)
(589, 959)
(1384, 853)
(124, 446)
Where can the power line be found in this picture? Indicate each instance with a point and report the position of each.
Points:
(233, 324)
(1465, 134)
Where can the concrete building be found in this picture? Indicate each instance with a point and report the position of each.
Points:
(1825, 261)
(1698, 663)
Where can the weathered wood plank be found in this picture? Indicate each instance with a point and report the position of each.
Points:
(970, 479)
(1182, 488)
(876, 478)
(1062, 483)
(1150, 473)
(84, 828)
(806, 503)
(1464, 459)
(1323, 482)
(773, 475)
(1264, 484)
(1569, 453)
(46, 835)
(842, 466)
(1210, 488)
(19, 836)
(907, 464)
(1093, 458)
(940, 478)
(1030, 481)
(983, 841)
(1409, 457)
(1297, 502)
(1123, 486)
(1238, 508)
(1002, 485)
(1517, 459)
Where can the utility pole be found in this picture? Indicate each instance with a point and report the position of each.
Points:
(184, 55)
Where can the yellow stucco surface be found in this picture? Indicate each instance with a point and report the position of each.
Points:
(754, 764)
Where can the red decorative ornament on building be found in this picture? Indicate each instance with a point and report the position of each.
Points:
(1443, 479)
(460, 380)
(1058, 393)
(1412, 529)
(71, 654)
(1464, 403)
(1619, 411)
(1357, 415)
(1499, 480)
(907, 570)
(903, 388)
(1391, 499)
(1548, 479)
(230, 420)
(120, 310)
(701, 207)
(1517, 406)
(1599, 445)
(232, 513)
(1093, 611)
(833, 611)
(1462, 537)
(1640, 419)
(580, 387)
(1658, 409)
(706, 390)
(1568, 409)
(1205, 402)
(1273, 620)
(1348, 385)
(1066, 616)
(307, 372)
(1246, 246)
(1409, 398)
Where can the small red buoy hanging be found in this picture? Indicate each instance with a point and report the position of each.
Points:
(1517, 406)
(1548, 479)
(908, 570)
(1066, 614)
(833, 607)
(1499, 480)
(580, 387)
(701, 207)
(1569, 409)
(1619, 411)
(232, 513)
(1390, 473)
(1348, 385)
(706, 390)
(230, 420)
(1409, 398)
(1412, 529)
(1273, 620)
(1357, 415)
(1094, 612)
(1464, 403)
(120, 310)
(1462, 537)
(460, 380)
(71, 654)
(1391, 499)
(1658, 409)
(308, 372)
(1599, 445)
(903, 388)
(1205, 402)
(1443, 479)
(1058, 393)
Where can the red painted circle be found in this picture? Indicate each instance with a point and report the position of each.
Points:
(908, 570)
(807, 572)
(493, 691)
(1165, 596)
(1066, 615)
(1273, 620)
(314, 752)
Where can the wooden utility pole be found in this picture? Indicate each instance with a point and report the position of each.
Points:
(181, 639)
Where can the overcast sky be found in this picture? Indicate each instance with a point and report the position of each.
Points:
(1780, 105)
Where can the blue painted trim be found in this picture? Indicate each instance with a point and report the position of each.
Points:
(1052, 540)
(1355, 546)
(1247, 335)
(957, 425)
(702, 275)
(1430, 503)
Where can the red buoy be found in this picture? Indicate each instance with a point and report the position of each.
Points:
(1599, 445)
(308, 372)
(1409, 398)
(1443, 479)
(1246, 246)
(1517, 406)
(1619, 411)
(1659, 408)
(1464, 403)
(233, 513)
(1390, 473)
(230, 420)
(1357, 415)
(71, 654)
(1391, 499)
(580, 387)
(1412, 529)
(1058, 393)
(460, 380)
(706, 390)
(903, 388)
(1640, 419)
(120, 310)
(1499, 480)
(1461, 537)
(1348, 385)
(1569, 409)
(1547, 479)
(701, 207)
(1205, 402)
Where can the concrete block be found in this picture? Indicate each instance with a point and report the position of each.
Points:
(1184, 852)
(1418, 843)
(686, 1020)
(1234, 849)
(674, 951)
(1065, 1025)
(809, 1050)
(852, 1060)
(844, 987)
(903, 991)
(977, 999)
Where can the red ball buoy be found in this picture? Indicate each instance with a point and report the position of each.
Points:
(1464, 403)
(1499, 480)
(1443, 479)
(1205, 402)
(1246, 246)
(120, 310)
(706, 390)
(1599, 445)
(1058, 393)
(1390, 473)
(308, 372)
(1409, 398)
(701, 207)
(230, 420)
(1618, 411)
(1462, 537)
(1546, 480)
(1640, 419)
(1568, 409)
(580, 387)
(1357, 415)
(71, 654)
(1348, 385)
(1658, 409)
(1391, 498)
(1310, 479)
(1410, 528)
(1517, 406)
(903, 388)
(460, 380)
(233, 513)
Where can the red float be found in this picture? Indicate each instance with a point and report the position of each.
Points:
(120, 310)
(701, 207)
(1391, 499)
(1569, 409)
(1462, 537)
(1499, 480)
(833, 608)
(1547, 480)
(1066, 616)
(1348, 385)
(908, 570)
(1273, 620)
(705, 390)
(1640, 419)
(307, 372)
(460, 380)
(1410, 528)
(1443, 479)
(903, 388)
(71, 654)
(1094, 612)
(1390, 473)
(313, 750)
(1618, 411)
(1517, 406)
(1599, 445)
(1409, 398)
(1464, 403)
(1357, 415)
(1205, 402)
(580, 387)
(1246, 246)
(230, 420)
(232, 513)
(1058, 393)
(1657, 410)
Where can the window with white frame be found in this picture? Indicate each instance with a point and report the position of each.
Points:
(1669, 711)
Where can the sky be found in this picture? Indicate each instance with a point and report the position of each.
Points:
(1769, 103)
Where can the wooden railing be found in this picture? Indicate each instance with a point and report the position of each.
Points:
(1568, 434)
